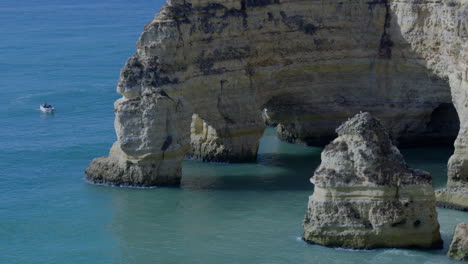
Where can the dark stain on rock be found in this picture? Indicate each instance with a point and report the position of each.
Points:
(148, 72)
(367, 224)
(399, 223)
(154, 73)
(270, 17)
(340, 146)
(452, 4)
(132, 71)
(260, 3)
(221, 108)
(386, 43)
(206, 61)
(166, 143)
(298, 23)
(371, 4)
(206, 66)
(210, 16)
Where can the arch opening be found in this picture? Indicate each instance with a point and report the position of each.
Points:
(444, 123)
(301, 118)
(440, 129)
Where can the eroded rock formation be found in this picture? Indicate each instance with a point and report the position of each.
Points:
(310, 63)
(366, 196)
(459, 246)
(439, 33)
(150, 148)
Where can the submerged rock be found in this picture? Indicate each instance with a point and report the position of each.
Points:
(367, 197)
(459, 247)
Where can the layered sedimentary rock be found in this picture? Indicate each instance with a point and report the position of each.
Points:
(438, 33)
(366, 196)
(207, 145)
(152, 143)
(310, 63)
(459, 246)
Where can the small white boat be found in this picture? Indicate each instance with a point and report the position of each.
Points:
(46, 108)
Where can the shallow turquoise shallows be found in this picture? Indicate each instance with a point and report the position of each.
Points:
(69, 53)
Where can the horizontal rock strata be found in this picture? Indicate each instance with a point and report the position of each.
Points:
(311, 64)
(152, 143)
(438, 33)
(366, 196)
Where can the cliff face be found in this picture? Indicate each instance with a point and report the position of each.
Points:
(310, 63)
(438, 34)
(366, 196)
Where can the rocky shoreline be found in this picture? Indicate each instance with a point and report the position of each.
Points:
(208, 75)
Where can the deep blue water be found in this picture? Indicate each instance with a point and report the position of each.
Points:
(69, 54)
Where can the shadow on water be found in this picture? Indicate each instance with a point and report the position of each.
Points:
(280, 166)
(285, 166)
(433, 160)
(272, 172)
(46, 116)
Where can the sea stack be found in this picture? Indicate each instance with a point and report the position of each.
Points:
(459, 247)
(366, 196)
(310, 63)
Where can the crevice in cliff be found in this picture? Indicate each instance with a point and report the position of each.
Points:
(386, 44)
(221, 108)
(244, 13)
(298, 23)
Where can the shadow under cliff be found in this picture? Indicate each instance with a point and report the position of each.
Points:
(272, 172)
(413, 101)
(279, 166)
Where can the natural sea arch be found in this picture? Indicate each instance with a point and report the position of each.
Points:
(203, 70)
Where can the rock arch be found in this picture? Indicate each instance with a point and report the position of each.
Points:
(323, 62)
(444, 118)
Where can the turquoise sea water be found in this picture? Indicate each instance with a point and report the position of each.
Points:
(69, 53)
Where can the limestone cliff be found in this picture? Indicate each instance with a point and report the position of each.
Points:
(205, 69)
(366, 196)
(438, 34)
(459, 246)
